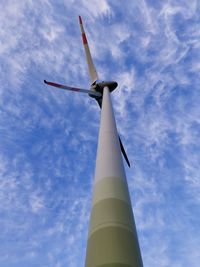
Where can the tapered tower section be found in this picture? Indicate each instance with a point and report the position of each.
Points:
(112, 239)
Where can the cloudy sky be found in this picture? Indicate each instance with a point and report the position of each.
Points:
(48, 138)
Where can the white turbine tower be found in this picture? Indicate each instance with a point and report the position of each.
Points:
(112, 238)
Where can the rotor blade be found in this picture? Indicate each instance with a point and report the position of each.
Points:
(74, 89)
(92, 70)
(124, 152)
(99, 101)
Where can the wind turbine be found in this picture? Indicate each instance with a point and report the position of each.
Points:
(112, 238)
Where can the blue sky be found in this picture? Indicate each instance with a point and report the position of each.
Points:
(49, 137)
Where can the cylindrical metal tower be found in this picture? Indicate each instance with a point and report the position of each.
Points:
(112, 239)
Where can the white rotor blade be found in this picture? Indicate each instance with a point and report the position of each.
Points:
(74, 89)
(92, 70)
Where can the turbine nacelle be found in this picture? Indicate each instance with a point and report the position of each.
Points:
(98, 86)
